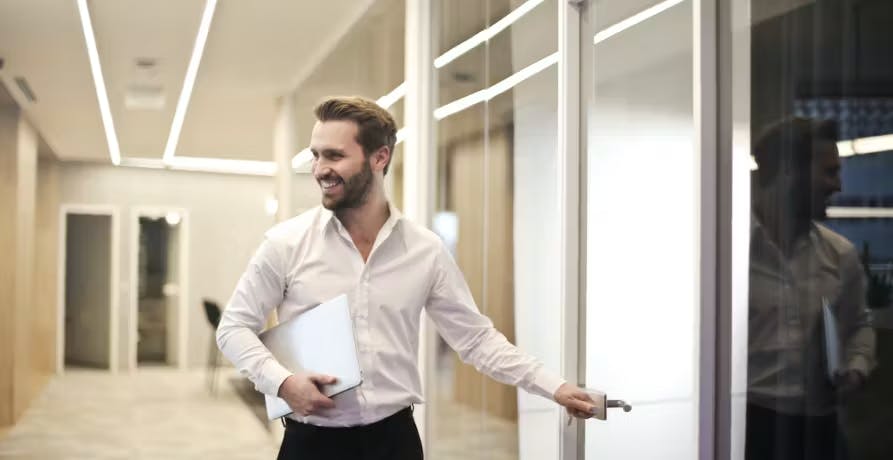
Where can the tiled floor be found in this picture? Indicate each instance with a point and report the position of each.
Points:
(156, 413)
(162, 413)
(466, 434)
(463, 433)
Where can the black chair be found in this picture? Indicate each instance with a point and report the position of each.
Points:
(213, 312)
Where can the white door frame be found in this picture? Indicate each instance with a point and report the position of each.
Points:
(571, 171)
(114, 277)
(183, 295)
(733, 235)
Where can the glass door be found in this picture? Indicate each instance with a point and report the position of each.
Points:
(809, 332)
(641, 226)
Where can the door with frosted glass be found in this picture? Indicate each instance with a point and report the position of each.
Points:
(641, 227)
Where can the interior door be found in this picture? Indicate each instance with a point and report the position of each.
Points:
(87, 291)
(641, 227)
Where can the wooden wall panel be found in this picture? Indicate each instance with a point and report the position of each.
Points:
(480, 188)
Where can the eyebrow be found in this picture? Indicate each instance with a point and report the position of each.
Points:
(326, 151)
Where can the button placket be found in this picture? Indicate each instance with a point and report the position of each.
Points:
(364, 337)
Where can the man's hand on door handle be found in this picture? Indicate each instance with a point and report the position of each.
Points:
(577, 401)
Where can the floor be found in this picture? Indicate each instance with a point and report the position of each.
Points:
(462, 433)
(154, 413)
(163, 413)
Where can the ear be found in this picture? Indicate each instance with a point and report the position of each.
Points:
(380, 158)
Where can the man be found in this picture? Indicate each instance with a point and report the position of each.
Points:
(797, 265)
(390, 268)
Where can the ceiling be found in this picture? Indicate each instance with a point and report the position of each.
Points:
(256, 52)
(369, 61)
(6, 101)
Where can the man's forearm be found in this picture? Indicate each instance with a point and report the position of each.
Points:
(861, 350)
(245, 350)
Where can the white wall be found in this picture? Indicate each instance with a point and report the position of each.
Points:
(226, 223)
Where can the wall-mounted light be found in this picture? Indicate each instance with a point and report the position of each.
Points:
(391, 98)
(864, 145)
(305, 156)
(489, 93)
(471, 42)
(631, 21)
(199, 164)
(835, 212)
(173, 218)
(271, 206)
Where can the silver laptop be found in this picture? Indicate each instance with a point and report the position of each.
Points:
(320, 340)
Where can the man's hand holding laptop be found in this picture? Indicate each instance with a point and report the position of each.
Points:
(302, 392)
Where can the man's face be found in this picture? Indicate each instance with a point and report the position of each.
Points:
(339, 165)
(825, 178)
(814, 194)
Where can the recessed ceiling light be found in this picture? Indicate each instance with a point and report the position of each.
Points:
(189, 81)
(99, 82)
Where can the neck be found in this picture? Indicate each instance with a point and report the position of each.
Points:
(366, 220)
(782, 225)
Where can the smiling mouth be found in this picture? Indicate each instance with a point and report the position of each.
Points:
(329, 184)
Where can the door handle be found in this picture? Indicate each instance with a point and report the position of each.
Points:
(619, 403)
(602, 404)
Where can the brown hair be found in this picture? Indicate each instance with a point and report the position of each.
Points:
(788, 144)
(376, 127)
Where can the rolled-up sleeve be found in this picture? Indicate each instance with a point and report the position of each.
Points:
(259, 291)
(472, 335)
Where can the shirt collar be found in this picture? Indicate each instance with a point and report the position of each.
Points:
(326, 217)
(757, 229)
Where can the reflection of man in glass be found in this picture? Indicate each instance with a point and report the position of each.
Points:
(795, 264)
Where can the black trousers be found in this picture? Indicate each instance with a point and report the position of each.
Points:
(394, 438)
(775, 436)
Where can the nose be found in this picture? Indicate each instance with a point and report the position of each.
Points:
(836, 184)
(321, 164)
(320, 171)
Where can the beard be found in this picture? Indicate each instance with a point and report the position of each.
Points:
(355, 191)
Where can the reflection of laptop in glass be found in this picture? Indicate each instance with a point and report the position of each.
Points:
(321, 341)
(832, 340)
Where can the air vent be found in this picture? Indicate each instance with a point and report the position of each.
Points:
(144, 91)
(144, 97)
(146, 63)
(25, 88)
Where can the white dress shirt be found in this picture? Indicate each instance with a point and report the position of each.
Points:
(786, 359)
(311, 258)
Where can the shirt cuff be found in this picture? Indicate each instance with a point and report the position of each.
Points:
(860, 364)
(546, 384)
(271, 378)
